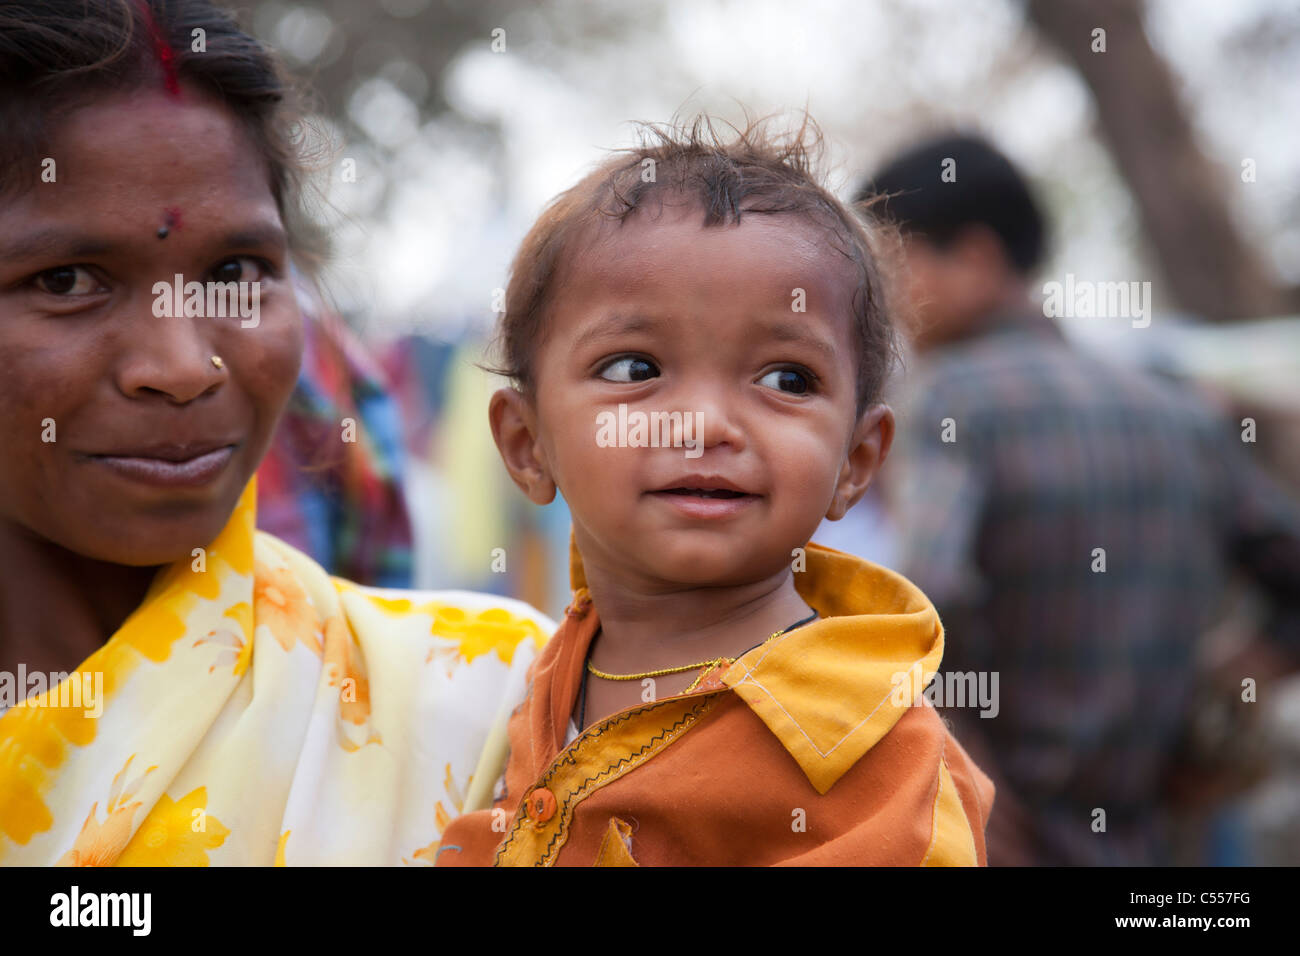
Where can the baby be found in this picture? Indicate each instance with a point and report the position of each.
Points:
(697, 337)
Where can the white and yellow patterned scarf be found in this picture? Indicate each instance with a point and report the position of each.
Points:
(255, 711)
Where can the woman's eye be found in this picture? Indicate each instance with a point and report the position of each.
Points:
(629, 370)
(67, 280)
(786, 380)
(239, 269)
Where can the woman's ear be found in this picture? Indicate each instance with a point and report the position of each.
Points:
(514, 428)
(868, 449)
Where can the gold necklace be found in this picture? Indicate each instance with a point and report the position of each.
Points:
(582, 712)
(591, 669)
(709, 664)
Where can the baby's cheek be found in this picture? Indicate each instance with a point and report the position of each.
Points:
(591, 478)
(580, 468)
(809, 478)
(802, 452)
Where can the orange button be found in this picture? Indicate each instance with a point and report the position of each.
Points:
(712, 679)
(541, 805)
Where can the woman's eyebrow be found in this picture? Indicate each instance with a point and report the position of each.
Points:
(259, 234)
(54, 243)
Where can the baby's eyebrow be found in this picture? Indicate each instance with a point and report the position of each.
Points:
(780, 330)
(617, 325)
(787, 331)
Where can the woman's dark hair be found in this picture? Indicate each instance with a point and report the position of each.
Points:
(59, 55)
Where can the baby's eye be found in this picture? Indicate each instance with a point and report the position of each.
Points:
(629, 369)
(240, 269)
(786, 380)
(68, 281)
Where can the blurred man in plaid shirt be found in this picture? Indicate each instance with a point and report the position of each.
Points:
(1028, 468)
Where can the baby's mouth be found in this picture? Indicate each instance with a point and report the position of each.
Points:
(713, 498)
(706, 492)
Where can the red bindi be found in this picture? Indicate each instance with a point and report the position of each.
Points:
(171, 220)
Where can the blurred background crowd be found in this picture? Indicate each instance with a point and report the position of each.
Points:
(1156, 143)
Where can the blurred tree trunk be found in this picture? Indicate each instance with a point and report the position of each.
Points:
(1185, 202)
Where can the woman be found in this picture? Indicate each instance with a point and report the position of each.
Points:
(228, 701)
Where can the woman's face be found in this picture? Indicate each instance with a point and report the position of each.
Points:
(122, 439)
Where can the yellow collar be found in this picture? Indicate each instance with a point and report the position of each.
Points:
(831, 689)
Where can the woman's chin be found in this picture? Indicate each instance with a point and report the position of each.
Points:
(164, 546)
(146, 536)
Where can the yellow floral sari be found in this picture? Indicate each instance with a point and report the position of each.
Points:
(255, 711)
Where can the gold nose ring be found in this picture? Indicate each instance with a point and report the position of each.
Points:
(217, 363)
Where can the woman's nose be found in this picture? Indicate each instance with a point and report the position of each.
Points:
(171, 356)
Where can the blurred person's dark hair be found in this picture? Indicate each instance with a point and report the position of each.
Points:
(757, 171)
(60, 55)
(987, 190)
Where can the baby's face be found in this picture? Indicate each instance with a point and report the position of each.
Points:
(745, 331)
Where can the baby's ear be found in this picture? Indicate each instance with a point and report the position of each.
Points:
(868, 449)
(514, 428)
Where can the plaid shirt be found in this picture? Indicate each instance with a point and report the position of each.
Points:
(1055, 458)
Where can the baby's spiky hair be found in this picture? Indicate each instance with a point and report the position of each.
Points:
(750, 172)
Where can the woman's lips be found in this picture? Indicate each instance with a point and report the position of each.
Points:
(186, 473)
(698, 503)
